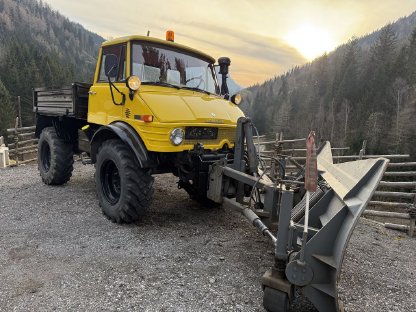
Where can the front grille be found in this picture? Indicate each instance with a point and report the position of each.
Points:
(223, 133)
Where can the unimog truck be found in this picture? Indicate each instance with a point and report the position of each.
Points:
(155, 106)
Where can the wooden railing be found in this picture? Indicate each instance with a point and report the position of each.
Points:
(394, 202)
(22, 144)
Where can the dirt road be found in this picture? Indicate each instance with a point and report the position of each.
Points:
(59, 253)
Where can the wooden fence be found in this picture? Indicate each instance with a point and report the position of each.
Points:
(394, 202)
(395, 199)
(22, 144)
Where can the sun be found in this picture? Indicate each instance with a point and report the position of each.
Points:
(310, 41)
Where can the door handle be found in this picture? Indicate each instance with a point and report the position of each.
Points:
(92, 92)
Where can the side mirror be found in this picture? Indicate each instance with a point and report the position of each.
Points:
(110, 65)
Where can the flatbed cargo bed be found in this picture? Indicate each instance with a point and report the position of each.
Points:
(71, 101)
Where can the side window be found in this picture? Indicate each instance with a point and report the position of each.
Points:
(120, 52)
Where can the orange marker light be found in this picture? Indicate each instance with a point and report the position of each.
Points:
(147, 118)
(170, 35)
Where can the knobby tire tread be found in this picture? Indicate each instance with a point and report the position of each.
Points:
(137, 184)
(61, 161)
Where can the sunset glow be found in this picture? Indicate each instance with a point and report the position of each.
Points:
(262, 38)
(311, 41)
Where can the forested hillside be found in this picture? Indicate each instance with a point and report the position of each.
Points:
(39, 47)
(366, 89)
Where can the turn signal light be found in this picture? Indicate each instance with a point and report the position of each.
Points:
(170, 35)
(146, 118)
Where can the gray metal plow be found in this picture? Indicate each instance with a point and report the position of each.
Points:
(312, 265)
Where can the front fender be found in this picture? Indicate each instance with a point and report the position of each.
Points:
(125, 133)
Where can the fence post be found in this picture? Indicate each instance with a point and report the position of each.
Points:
(412, 212)
(362, 150)
(16, 141)
(279, 146)
(3, 154)
(19, 106)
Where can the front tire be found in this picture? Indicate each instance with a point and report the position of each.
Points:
(124, 189)
(55, 158)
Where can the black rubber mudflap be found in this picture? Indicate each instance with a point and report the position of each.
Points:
(275, 300)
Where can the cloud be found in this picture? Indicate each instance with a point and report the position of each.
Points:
(245, 43)
(250, 32)
(254, 57)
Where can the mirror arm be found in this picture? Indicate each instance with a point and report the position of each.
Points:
(123, 96)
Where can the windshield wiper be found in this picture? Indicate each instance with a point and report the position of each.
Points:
(195, 89)
(161, 83)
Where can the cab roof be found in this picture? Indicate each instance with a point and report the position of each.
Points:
(156, 40)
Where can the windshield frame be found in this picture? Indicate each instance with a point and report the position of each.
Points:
(179, 50)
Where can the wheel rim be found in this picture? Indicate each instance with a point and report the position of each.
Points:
(46, 156)
(110, 182)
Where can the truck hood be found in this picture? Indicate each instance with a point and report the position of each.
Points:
(191, 107)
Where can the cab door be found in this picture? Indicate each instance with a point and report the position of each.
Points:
(102, 108)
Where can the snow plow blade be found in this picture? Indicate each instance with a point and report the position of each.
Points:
(308, 257)
(347, 189)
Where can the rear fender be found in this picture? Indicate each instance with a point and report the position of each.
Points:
(42, 122)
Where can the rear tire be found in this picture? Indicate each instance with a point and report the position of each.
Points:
(55, 158)
(124, 189)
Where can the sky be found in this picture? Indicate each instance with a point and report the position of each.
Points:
(263, 38)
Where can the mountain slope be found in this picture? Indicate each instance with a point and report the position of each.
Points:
(365, 89)
(41, 47)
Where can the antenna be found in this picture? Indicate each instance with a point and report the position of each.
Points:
(148, 33)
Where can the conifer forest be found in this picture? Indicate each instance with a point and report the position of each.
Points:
(364, 90)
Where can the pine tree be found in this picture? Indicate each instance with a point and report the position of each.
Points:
(383, 53)
(410, 58)
(7, 112)
(349, 73)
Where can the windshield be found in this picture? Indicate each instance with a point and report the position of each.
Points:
(165, 65)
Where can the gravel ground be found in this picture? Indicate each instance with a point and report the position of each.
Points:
(58, 252)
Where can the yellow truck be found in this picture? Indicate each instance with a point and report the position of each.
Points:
(155, 106)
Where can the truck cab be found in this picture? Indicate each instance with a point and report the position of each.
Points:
(177, 103)
(155, 106)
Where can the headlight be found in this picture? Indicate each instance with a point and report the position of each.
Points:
(236, 99)
(176, 136)
(133, 83)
